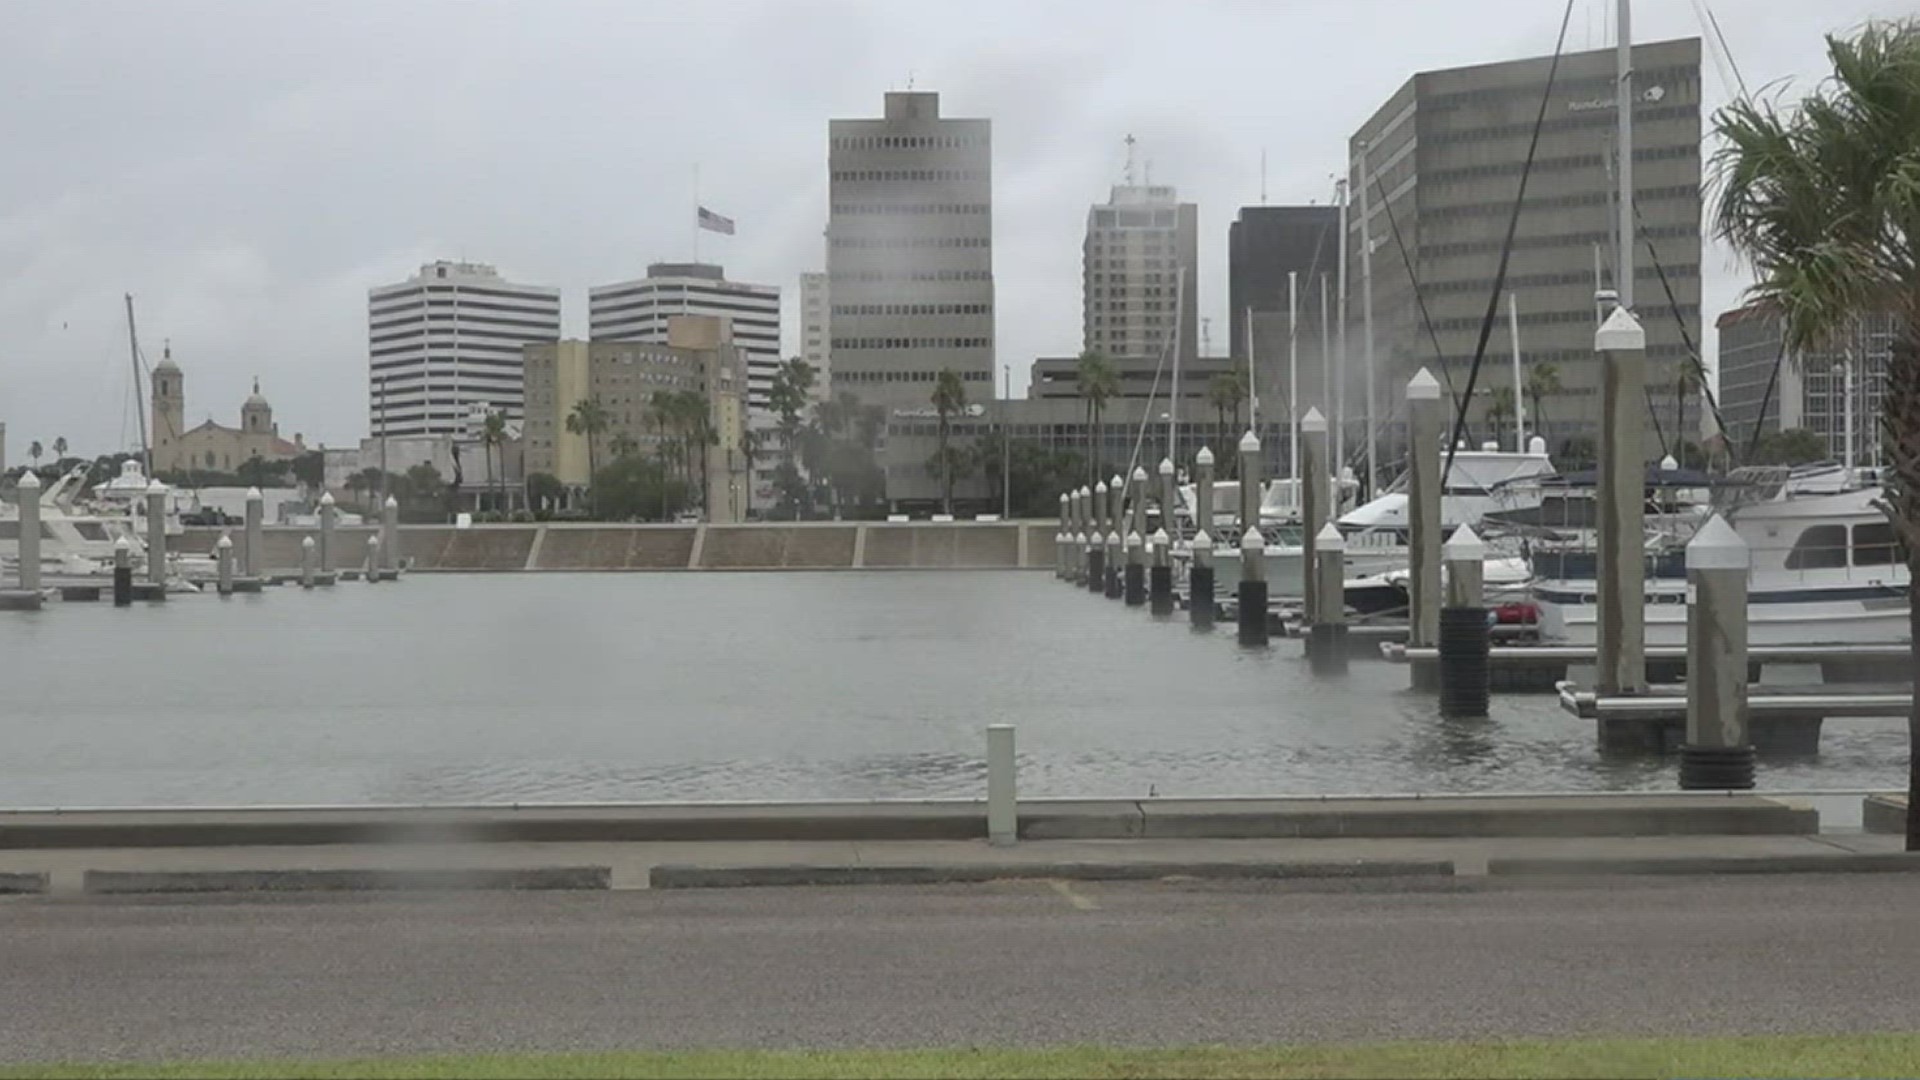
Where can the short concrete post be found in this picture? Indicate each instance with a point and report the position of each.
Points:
(1134, 588)
(390, 535)
(1060, 539)
(1464, 686)
(1251, 472)
(373, 558)
(157, 533)
(1200, 582)
(1160, 574)
(326, 532)
(1313, 505)
(1116, 543)
(1253, 587)
(308, 557)
(1003, 808)
(1423, 510)
(1621, 494)
(29, 535)
(253, 562)
(1097, 542)
(122, 573)
(223, 562)
(1327, 639)
(1718, 753)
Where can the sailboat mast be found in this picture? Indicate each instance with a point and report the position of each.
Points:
(1366, 311)
(1340, 345)
(1623, 102)
(1519, 382)
(139, 397)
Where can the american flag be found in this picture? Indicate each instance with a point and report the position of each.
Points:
(714, 222)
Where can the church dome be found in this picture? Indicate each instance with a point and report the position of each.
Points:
(254, 400)
(166, 365)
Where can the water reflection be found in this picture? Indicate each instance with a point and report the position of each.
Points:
(754, 686)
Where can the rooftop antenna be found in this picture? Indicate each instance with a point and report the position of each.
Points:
(1149, 172)
(1263, 176)
(1129, 172)
(909, 79)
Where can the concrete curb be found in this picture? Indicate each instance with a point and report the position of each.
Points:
(957, 819)
(1884, 814)
(123, 882)
(734, 877)
(23, 884)
(1837, 863)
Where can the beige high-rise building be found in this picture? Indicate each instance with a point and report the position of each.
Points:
(910, 252)
(1133, 304)
(623, 377)
(816, 329)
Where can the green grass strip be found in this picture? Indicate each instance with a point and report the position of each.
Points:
(1811, 1056)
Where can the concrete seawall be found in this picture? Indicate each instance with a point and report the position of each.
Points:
(960, 545)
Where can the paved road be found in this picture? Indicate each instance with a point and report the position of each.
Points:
(1027, 962)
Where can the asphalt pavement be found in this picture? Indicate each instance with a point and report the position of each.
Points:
(1031, 962)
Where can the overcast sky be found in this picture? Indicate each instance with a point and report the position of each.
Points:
(248, 169)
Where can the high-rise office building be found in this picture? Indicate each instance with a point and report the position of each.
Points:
(1442, 160)
(816, 330)
(1138, 244)
(910, 253)
(638, 311)
(448, 340)
(1764, 385)
(1266, 246)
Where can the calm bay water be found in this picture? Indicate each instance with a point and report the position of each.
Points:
(745, 686)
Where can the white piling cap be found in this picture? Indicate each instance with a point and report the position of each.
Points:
(1251, 540)
(1491, 446)
(1717, 547)
(307, 542)
(1463, 546)
(1249, 443)
(1202, 542)
(373, 541)
(155, 487)
(1204, 457)
(1133, 539)
(392, 503)
(1423, 386)
(1621, 332)
(122, 545)
(1537, 445)
(1063, 498)
(1330, 539)
(1113, 537)
(253, 495)
(1314, 421)
(326, 498)
(1160, 538)
(225, 543)
(1667, 464)
(1166, 466)
(28, 480)
(1081, 539)
(1100, 488)
(1118, 481)
(1140, 473)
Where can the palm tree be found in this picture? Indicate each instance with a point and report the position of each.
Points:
(1542, 380)
(623, 445)
(493, 439)
(589, 418)
(1500, 410)
(1823, 199)
(949, 398)
(34, 451)
(59, 448)
(1098, 382)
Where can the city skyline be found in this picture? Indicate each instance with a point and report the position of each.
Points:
(250, 225)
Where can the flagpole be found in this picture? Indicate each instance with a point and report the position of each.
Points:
(696, 212)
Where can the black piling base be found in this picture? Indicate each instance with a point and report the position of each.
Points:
(1116, 585)
(1253, 612)
(122, 586)
(1327, 648)
(1135, 586)
(1464, 681)
(1096, 570)
(1200, 596)
(1716, 768)
(1160, 590)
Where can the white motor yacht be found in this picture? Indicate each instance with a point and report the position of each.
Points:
(1827, 565)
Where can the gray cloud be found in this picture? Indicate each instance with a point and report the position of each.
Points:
(247, 170)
